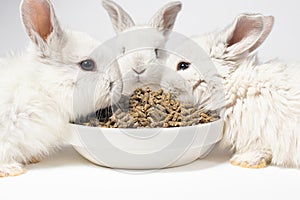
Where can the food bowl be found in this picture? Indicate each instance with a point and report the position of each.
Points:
(145, 148)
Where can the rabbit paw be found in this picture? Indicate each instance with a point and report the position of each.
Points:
(11, 170)
(245, 164)
(253, 160)
(33, 160)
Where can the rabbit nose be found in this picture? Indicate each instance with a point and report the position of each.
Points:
(138, 71)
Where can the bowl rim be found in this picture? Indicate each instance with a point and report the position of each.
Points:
(156, 128)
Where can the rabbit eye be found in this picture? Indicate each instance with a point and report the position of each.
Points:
(88, 65)
(123, 50)
(183, 66)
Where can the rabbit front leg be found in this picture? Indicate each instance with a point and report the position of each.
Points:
(13, 169)
(252, 157)
(9, 166)
(32, 126)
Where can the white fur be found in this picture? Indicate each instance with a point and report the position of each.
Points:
(261, 108)
(139, 64)
(37, 90)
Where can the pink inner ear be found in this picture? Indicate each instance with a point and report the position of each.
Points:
(245, 27)
(40, 17)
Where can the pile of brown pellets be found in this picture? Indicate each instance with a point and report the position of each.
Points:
(149, 109)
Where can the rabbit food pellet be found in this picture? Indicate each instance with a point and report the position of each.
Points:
(150, 109)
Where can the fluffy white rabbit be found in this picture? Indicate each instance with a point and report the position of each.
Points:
(38, 89)
(142, 65)
(262, 107)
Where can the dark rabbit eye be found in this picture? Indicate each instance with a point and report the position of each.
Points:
(88, 65)
(183, 66)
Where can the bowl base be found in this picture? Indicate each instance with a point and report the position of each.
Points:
(188, 157)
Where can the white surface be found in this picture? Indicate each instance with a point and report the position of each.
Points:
(67, 175)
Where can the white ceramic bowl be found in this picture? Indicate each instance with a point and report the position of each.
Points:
(145, 148)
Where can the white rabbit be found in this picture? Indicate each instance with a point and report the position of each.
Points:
(39, 88)
(142, 65)
(262, 107)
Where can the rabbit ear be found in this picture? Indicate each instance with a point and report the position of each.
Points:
(40, 21)
(119, 17)
(247, 33)
(165, 18)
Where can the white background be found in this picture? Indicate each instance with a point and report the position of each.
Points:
(197, 17)
(68, 175)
